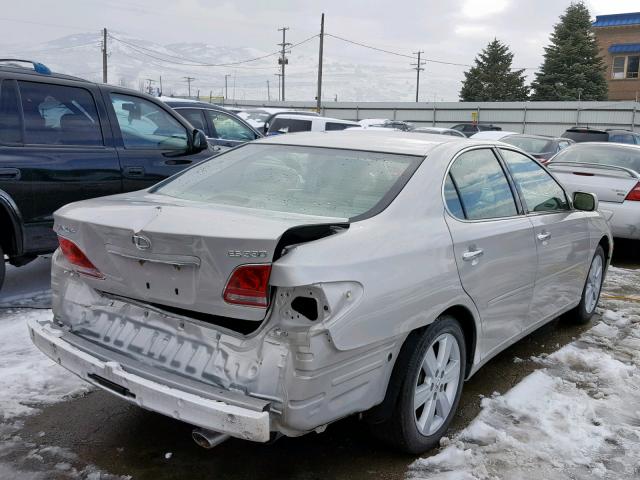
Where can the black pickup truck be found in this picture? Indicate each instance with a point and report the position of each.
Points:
(64, 139)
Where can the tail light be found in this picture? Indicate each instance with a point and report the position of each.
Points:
(634, 194)
(248, 285)
(78, 259)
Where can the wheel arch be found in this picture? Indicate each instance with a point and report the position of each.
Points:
(469, 325)
(605, 243)
(10, 226)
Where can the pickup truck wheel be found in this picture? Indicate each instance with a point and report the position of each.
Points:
(3, 267)
(591, 291)
(430, 390)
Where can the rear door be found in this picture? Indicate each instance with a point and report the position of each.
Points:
(67, 153)
(561, 237)
(493, 244)
(151, 142)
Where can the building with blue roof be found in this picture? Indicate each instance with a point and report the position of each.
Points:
(618, 37)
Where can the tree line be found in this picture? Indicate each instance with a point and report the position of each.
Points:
(572, 68)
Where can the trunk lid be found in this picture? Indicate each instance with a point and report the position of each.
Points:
(175, 253)
(609, 183)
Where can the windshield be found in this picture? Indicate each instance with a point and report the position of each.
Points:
(530, 144)
(627, 157)
(307, 180)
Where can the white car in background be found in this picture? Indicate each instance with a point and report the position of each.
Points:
(492, 134)
(440, 131)
(291, 123)
(369, 122)
(612, 172)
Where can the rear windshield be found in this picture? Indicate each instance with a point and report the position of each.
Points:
(530, 144)
(290, 125)
(627, 157)
(584, 136)
(307, 180)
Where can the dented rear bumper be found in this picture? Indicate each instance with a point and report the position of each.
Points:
(231, 413)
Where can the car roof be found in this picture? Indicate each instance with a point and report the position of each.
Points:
(393, 141)
(179, 103)
(297, 116)
(541, 137)
(8, 67)
(604, 144)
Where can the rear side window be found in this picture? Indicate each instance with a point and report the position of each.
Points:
(332, 126)
(290, 125)
(621, 138)
(452, 198)
(539, 190)
(483, 188)
(10, 125)
(59, 115)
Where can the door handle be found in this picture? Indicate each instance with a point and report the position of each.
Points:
(9, 174)
(544, 236)
(180, 161)
(134, 171)
(472, 254)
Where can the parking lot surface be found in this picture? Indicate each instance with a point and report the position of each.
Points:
(98, 433)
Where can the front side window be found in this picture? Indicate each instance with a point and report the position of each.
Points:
(59, 115)
(539, 190)
(482, 185)
(228, 128)
(304, 180)
(195, 117)
(144, 124)
(621, 138)
(10, 125)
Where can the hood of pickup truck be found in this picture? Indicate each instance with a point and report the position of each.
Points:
(172, 252)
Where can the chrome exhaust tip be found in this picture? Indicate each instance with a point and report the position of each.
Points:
(208, 438)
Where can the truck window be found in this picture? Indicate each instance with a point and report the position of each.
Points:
(10, 127)
(289, 125)
(59, 115)
(144, 124)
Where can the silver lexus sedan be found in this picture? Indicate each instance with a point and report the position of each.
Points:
(299, 279)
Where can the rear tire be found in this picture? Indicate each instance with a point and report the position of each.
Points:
(429, 389)
(591, 291)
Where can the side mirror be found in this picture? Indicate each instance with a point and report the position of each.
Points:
(587, 202)
(199, 142)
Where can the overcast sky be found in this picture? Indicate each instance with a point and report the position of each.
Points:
(454, 30)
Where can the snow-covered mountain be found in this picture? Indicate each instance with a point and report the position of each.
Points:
(139, 64)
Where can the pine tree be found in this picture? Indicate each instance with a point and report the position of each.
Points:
(572, 66)
(491, 78)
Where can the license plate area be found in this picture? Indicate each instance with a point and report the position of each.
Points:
(164, 281)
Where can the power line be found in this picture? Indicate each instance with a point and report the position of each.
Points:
(140, 49)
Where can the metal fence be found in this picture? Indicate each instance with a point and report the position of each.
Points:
(544, 118)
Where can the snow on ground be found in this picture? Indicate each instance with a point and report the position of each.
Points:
(29, 377)
(577, 417)
(29, 380)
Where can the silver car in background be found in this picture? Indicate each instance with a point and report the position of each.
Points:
(299, 279)
(612, 172)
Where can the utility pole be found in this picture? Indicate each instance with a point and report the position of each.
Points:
(319, 95)
(279, 75)
(160, 85)
(189, 80)
(226, 88)
(418, 69)
(104, 55)
(268, 92)
(283, 60)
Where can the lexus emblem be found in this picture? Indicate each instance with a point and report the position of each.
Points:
(141, 242)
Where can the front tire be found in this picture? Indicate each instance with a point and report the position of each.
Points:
(591, 291)
(430, 390)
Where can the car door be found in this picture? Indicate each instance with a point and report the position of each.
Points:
(493, 244)
(561, 238)
(67, 153)
(227, 131)
(151, 143)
